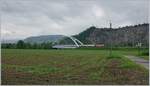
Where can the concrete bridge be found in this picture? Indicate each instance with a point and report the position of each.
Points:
(77, 44)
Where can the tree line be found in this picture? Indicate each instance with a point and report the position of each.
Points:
(22, 45)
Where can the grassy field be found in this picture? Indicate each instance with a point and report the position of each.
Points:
(70, 67)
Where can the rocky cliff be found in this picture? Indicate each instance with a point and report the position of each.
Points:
(123, 36)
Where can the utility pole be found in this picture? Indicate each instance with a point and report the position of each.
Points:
(139, 43)
(110, 52)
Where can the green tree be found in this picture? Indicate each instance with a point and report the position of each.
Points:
(20, 44)
(8, 45)
(35, 46)
(28, 46)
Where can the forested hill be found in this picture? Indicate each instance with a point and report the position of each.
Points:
(123, 36)
(43, 38)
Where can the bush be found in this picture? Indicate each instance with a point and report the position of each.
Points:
(146, 53)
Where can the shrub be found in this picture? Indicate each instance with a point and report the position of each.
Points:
(146, 53)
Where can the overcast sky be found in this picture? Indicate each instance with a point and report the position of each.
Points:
(24, 18)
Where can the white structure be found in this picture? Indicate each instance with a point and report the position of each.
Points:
(76, 42)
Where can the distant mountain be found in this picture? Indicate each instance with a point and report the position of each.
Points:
(9, 41)
(122, 36)
(43, 38)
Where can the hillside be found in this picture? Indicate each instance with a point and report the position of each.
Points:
(123, 36)
(43, 38)
(9, 41)
(83, 37)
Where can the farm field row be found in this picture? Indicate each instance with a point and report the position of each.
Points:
(27, 66)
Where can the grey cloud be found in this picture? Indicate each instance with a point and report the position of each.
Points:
(40, 17)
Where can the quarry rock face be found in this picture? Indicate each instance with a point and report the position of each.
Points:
(124, 36)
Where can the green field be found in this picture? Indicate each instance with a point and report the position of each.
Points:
(74, 66)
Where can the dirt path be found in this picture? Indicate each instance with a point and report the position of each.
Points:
(139, 60)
